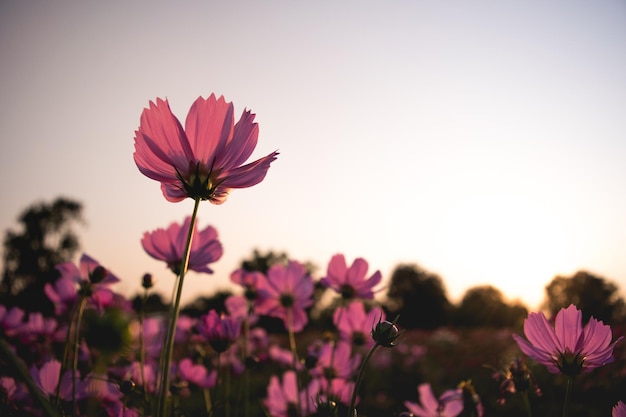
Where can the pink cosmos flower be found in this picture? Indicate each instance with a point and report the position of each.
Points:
(63, 293)
(569, 347)
(449, 404)
(355, 325)
(285, 293)
(219, 331)
(619, 410)
(47, 379)
(10, 320)
(169, 244)
(350, 282)
(196, 374)
(282, 398)
(205, 159)
(92, 280)
(336, 360)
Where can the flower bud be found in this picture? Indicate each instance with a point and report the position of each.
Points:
(386, 333)
(147, 281)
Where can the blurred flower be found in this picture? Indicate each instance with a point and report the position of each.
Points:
(286, 292)
(472, 406)
(336, 361)
(196, 374)
(354, 324)
(47, 379)
(350, 282)
(449, 404)
(249, 280)
(92, 280)
(220, 331)
(516, 378)
(205, 159)
(63, 293)
(568, 347)
(283, 398)
(168, 245)
(619, 410)
(10, 320)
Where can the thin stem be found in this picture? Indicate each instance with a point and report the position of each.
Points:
(359, 378)
(142, 348)
(567, 392)
(15, 364)
(171, 331)
(246, 372)
(207, 401)
(294, 354)
(527, 403)
(76, 345)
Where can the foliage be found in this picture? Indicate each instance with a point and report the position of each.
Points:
(47, 238)
(485, 306)
(594, 295)
(418, 297)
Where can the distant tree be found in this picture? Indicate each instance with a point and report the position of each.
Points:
(202, 305)
(418, 297)
(593, 295)
(47, 239)
(263, 261)
(485, 306)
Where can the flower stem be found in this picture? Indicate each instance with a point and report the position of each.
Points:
(294, 354)
(359, 378)
(15, 365)
(171, 331)
(142, 348)
(527, 403)
(76, 346)
(567, 391)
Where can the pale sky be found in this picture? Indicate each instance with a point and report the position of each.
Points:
(482, 140)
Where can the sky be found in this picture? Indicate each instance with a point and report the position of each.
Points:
(483, 141)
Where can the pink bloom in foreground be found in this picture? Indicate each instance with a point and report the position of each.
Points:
(449, 404)
(619, 410)
(569, 347)
(350, 282)
(168, 245)
(203, 160)
(285, 293)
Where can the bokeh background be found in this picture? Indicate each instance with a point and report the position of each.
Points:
(483, 140)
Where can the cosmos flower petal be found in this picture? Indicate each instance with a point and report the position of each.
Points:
(568, 328)
(209, 128)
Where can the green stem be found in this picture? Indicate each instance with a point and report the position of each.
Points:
(526, 403)
(13, 363)
(567, 392)
(171, 331)
(359, 378)
(207, 401)
(76, 346)
(246, 372)
(294, 354)
(142, 348)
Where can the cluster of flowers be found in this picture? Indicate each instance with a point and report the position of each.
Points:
(100, 357)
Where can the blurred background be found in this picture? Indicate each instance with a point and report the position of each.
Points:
(483, 141)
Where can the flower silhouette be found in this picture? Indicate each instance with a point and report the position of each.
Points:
(203, 160)
(168, 245)
(569, 347)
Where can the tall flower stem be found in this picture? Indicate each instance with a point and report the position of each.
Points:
(294, 354)
(567, 392)
(359, 378)
(142, 347)
(76, 347)
(527, 403)
(171, 331)
(15, 365)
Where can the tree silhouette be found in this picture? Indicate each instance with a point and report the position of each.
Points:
(30, 256)
(593, 295)
(418, 297)
(484, 306)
